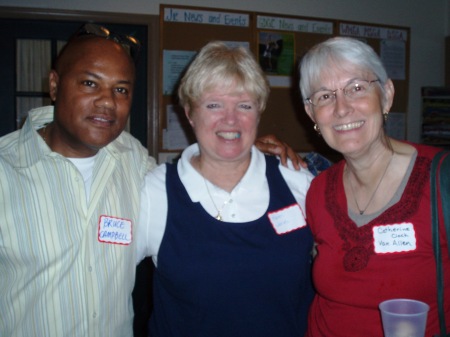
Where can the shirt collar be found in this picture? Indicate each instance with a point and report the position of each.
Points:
(193, 180)
(32, 147)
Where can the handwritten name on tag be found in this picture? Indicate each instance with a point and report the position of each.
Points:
(394, 238)
(287, 219)
(114, 230)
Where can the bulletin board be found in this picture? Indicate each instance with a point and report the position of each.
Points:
(278, 42)
(392, 44)
(285, 116)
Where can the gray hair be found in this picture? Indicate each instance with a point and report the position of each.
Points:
(336, 51)
(218, 64)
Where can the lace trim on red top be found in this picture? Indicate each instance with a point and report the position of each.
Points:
(358, 241)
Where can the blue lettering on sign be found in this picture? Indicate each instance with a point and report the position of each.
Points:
(282, 24)
(235, 21)
(395, 35)
(302, 27)
(172, 16)
(350, 30)
(191, 17)
(214, 19)
(266, 23)
(320, 29)
(372, 32)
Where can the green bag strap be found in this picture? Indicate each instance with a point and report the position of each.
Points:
(440, 181)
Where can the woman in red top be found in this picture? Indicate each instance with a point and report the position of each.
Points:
(369, 213)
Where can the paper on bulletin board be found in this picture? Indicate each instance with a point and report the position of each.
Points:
(396, 125)
(174, 136)
(174, 63)
(393, 55)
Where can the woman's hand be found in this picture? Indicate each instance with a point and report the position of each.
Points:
(270, 144)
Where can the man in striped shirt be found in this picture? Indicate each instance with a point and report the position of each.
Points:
(70, 182)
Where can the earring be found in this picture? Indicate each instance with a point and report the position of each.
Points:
(317, 129)
(385, 116)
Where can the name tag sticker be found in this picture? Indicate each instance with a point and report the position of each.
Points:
(287, 219)
(114, 230)
(394, 238)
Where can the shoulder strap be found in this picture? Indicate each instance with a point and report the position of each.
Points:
(441, 168)
(440, 185)
(444, 183)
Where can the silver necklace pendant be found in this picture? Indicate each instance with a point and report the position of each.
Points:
(219, 217)
(362, 211)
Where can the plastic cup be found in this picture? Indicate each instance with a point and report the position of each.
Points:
(404, 317)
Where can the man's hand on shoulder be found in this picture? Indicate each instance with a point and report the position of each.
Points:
(270, 144)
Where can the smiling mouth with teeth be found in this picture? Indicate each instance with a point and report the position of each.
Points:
(102, 120)
(347, 127)
(229, 135)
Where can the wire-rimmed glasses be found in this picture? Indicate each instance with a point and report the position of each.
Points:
(353, 90)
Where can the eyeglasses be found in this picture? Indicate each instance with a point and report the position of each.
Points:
(129, 43)
(353, 90)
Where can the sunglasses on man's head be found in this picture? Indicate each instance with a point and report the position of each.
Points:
(129, 43)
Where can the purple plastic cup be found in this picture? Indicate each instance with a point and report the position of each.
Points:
(404, 317)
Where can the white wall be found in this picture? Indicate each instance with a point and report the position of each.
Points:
(429, 22)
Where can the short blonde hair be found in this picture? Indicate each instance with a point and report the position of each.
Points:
(220, 65)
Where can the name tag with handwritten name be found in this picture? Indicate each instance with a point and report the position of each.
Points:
(394, 238)
(287, 219)
(114, 230)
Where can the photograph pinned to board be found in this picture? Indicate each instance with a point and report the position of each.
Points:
(276, 56)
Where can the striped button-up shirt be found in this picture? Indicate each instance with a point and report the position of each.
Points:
(60, 274)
